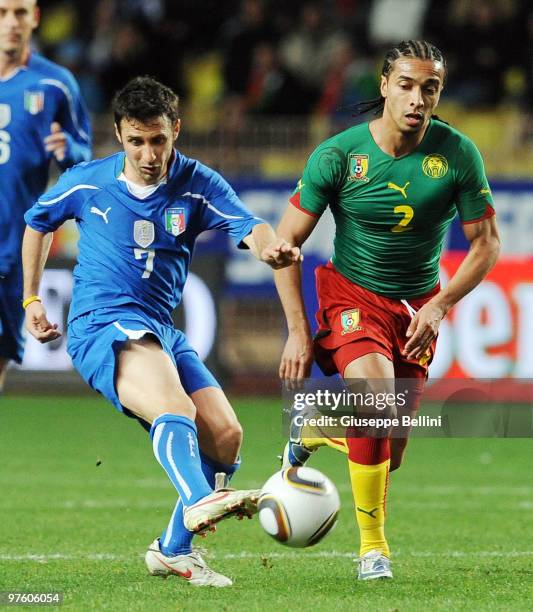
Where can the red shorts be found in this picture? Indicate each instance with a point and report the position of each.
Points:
(353, 321)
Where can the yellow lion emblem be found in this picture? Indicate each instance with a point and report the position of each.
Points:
(435, 166)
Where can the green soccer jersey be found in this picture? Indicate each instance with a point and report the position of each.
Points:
(391, 214)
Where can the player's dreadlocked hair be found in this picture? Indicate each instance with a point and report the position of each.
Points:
(143, 98)
(419, 49)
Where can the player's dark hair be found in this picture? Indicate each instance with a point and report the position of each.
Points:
(143, 98)
(419, 49)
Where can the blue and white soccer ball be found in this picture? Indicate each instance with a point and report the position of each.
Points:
(298, 506)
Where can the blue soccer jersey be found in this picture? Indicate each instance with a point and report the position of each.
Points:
(136, 251)
(31, 99)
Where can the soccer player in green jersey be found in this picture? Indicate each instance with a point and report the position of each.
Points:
(393, 185)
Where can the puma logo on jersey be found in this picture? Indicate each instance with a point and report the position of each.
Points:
(98, 212)
(485, 191)
(300, 185)
(402, 190)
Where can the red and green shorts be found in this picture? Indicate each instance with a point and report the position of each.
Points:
(354, 321)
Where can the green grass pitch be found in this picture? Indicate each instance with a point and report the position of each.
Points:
(82, 496)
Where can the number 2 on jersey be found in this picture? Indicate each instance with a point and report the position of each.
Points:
(408, 213)
(150, 256)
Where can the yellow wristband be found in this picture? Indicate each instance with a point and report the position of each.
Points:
(30, 300)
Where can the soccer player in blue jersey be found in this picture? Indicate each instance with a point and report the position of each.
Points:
(139, 213)
(42, 117)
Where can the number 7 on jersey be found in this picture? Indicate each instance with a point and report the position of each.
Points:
(150, 256)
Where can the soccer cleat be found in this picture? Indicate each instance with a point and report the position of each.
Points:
(191, 567)
(218, 505)
(374, 565)
(295, 454)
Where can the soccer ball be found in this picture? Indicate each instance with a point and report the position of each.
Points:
(298, 506)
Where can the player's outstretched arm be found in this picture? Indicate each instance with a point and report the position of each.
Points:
(484, 250)
(35, 248)
(297, 357)
(274, 251)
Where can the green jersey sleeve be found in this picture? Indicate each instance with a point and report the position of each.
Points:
(322, 177)
(473, 197)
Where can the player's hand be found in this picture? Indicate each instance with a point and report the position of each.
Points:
(423, 330)
(280, 254)
(296, 359)
(38, 325)
(56, 142)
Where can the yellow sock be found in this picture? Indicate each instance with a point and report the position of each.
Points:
(315, 442)
(369, 489)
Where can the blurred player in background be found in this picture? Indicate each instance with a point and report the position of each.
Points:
(393, 185)
(139, 213)
(42, 117)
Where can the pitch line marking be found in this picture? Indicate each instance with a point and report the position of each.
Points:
(45, 558)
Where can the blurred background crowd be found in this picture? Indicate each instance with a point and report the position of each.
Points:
(238, 62)
(277, 57)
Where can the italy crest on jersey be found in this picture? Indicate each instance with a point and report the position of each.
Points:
(143, 233)
(34, 101)
(175, 221)
(358, 167)
(5, 115)
(350, 321)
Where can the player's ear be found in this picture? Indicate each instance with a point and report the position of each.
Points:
(383, 86)
(177, 127)
(117, 133)
(36, 16)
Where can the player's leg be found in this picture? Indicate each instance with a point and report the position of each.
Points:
(368, 462)
(11, 322)
(409, 376)
(219, 431)
(148, 385)
(219, 435)
(397, 451)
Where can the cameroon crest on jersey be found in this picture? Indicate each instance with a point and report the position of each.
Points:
(358, 167)
(350, 321)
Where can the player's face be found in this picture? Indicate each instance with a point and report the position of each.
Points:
(412, 91)
(18, 19)
(148, 148)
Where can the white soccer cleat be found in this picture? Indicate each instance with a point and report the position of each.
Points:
(190, 567)
(218, 505)
(373, 565)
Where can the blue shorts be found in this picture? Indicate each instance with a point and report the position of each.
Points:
(11, 316)
(96, 338)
